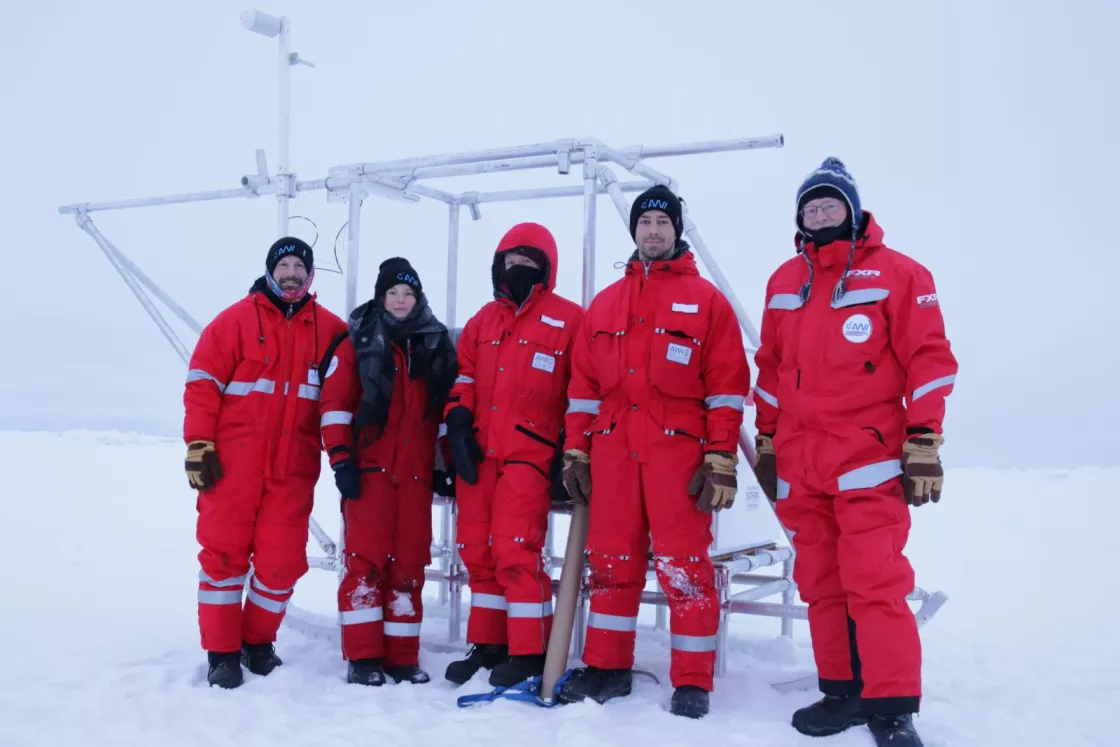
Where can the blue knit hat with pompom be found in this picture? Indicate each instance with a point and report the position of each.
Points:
(831, 178)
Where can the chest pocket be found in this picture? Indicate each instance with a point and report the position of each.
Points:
(607, 340)
(857, 332)
(676, 351)
(541, 369)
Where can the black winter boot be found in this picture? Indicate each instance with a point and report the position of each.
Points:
(482, 656)
(689, 701)
(894, 731)
(259, 658)
(830, 715)
(598, 684)
(517, 669)
(365, 672)
(408, 673)
(225, 669)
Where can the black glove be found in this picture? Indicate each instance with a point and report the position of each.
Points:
(465, 451)
(203, 468)
(348, 479)
(766, 469)
(443, 482)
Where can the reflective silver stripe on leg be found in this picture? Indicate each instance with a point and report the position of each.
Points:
(256, 584)
(402, 630)
(617, 623)
(697, 644)
(530, 609)
(489, 601)
(235, 581)
(870, 475)
(265, 603)
(219, 597)
(357, 617)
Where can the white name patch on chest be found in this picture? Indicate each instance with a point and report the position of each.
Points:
(679, 353)
(544, 362)
(313, 376)
(686, 308)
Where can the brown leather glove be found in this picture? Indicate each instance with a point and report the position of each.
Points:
(203, 468)
(577, 475)
(766, 468)
(922, 474)
(715, 481)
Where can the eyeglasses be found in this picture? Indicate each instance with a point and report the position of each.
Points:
(828, 209)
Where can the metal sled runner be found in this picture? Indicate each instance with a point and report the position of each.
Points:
(748, 573)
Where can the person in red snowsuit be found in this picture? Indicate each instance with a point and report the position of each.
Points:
(252, 428)
(384, 389)
(659, 381)
(504, 426)
(853, 372)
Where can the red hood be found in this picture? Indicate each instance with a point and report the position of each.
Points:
(532, 235)
(836, 252)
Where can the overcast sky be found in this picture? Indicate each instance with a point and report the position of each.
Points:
(982, 135)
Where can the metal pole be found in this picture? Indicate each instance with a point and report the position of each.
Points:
(514, 195)
(701, 250)
(159, 293)
(353, 228)
(614, 189)
(284, 166)
(452, 265)
(590, 197)
(86, 224)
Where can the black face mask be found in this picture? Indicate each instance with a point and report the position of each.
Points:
(823, 236)
(521, 279)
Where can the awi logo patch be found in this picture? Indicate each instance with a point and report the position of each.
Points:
(857, 328)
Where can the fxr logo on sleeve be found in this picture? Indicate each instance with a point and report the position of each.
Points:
(927, 300)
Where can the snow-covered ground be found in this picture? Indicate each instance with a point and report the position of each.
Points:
(100, 641)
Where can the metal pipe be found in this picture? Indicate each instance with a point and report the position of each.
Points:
(112, 253)
(326, 564)
(216, 194)
(719, 279)
(770, 609)
(707, 146)
(514, 195)
(761, 592)
(590, 198)
(326, 544)
(486, 167)
(635, 166)
(450, 315)
(353, 230)
(455, 614)
(452, 159)
(613, 186)
(159, 293)
(284, 134)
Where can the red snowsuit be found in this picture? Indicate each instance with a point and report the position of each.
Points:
(387, 533)
(514, 365)
(252, 389)
(659, 377)
(832, 379)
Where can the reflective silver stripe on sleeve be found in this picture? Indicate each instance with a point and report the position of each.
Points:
(219, 597)
(589, 406)
(242, 388)
(530, 609)
(308, 391)
(783, 490)
(863, 295)
(402, 630)
(935, 384)
(464, 380)
(265, 603)
(870, 475)
(693, 643)
(766, 397)
(616, 623)
(235, 581)
(357, 617)
(197, 374)
(336, 417)
(488, 601)
(734, 401)
(256, 584)
(785, 301)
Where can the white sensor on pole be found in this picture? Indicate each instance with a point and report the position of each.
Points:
(260, 23)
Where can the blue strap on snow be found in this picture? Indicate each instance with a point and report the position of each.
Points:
(525, 692)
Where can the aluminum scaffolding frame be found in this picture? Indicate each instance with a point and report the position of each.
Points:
(401, 179)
